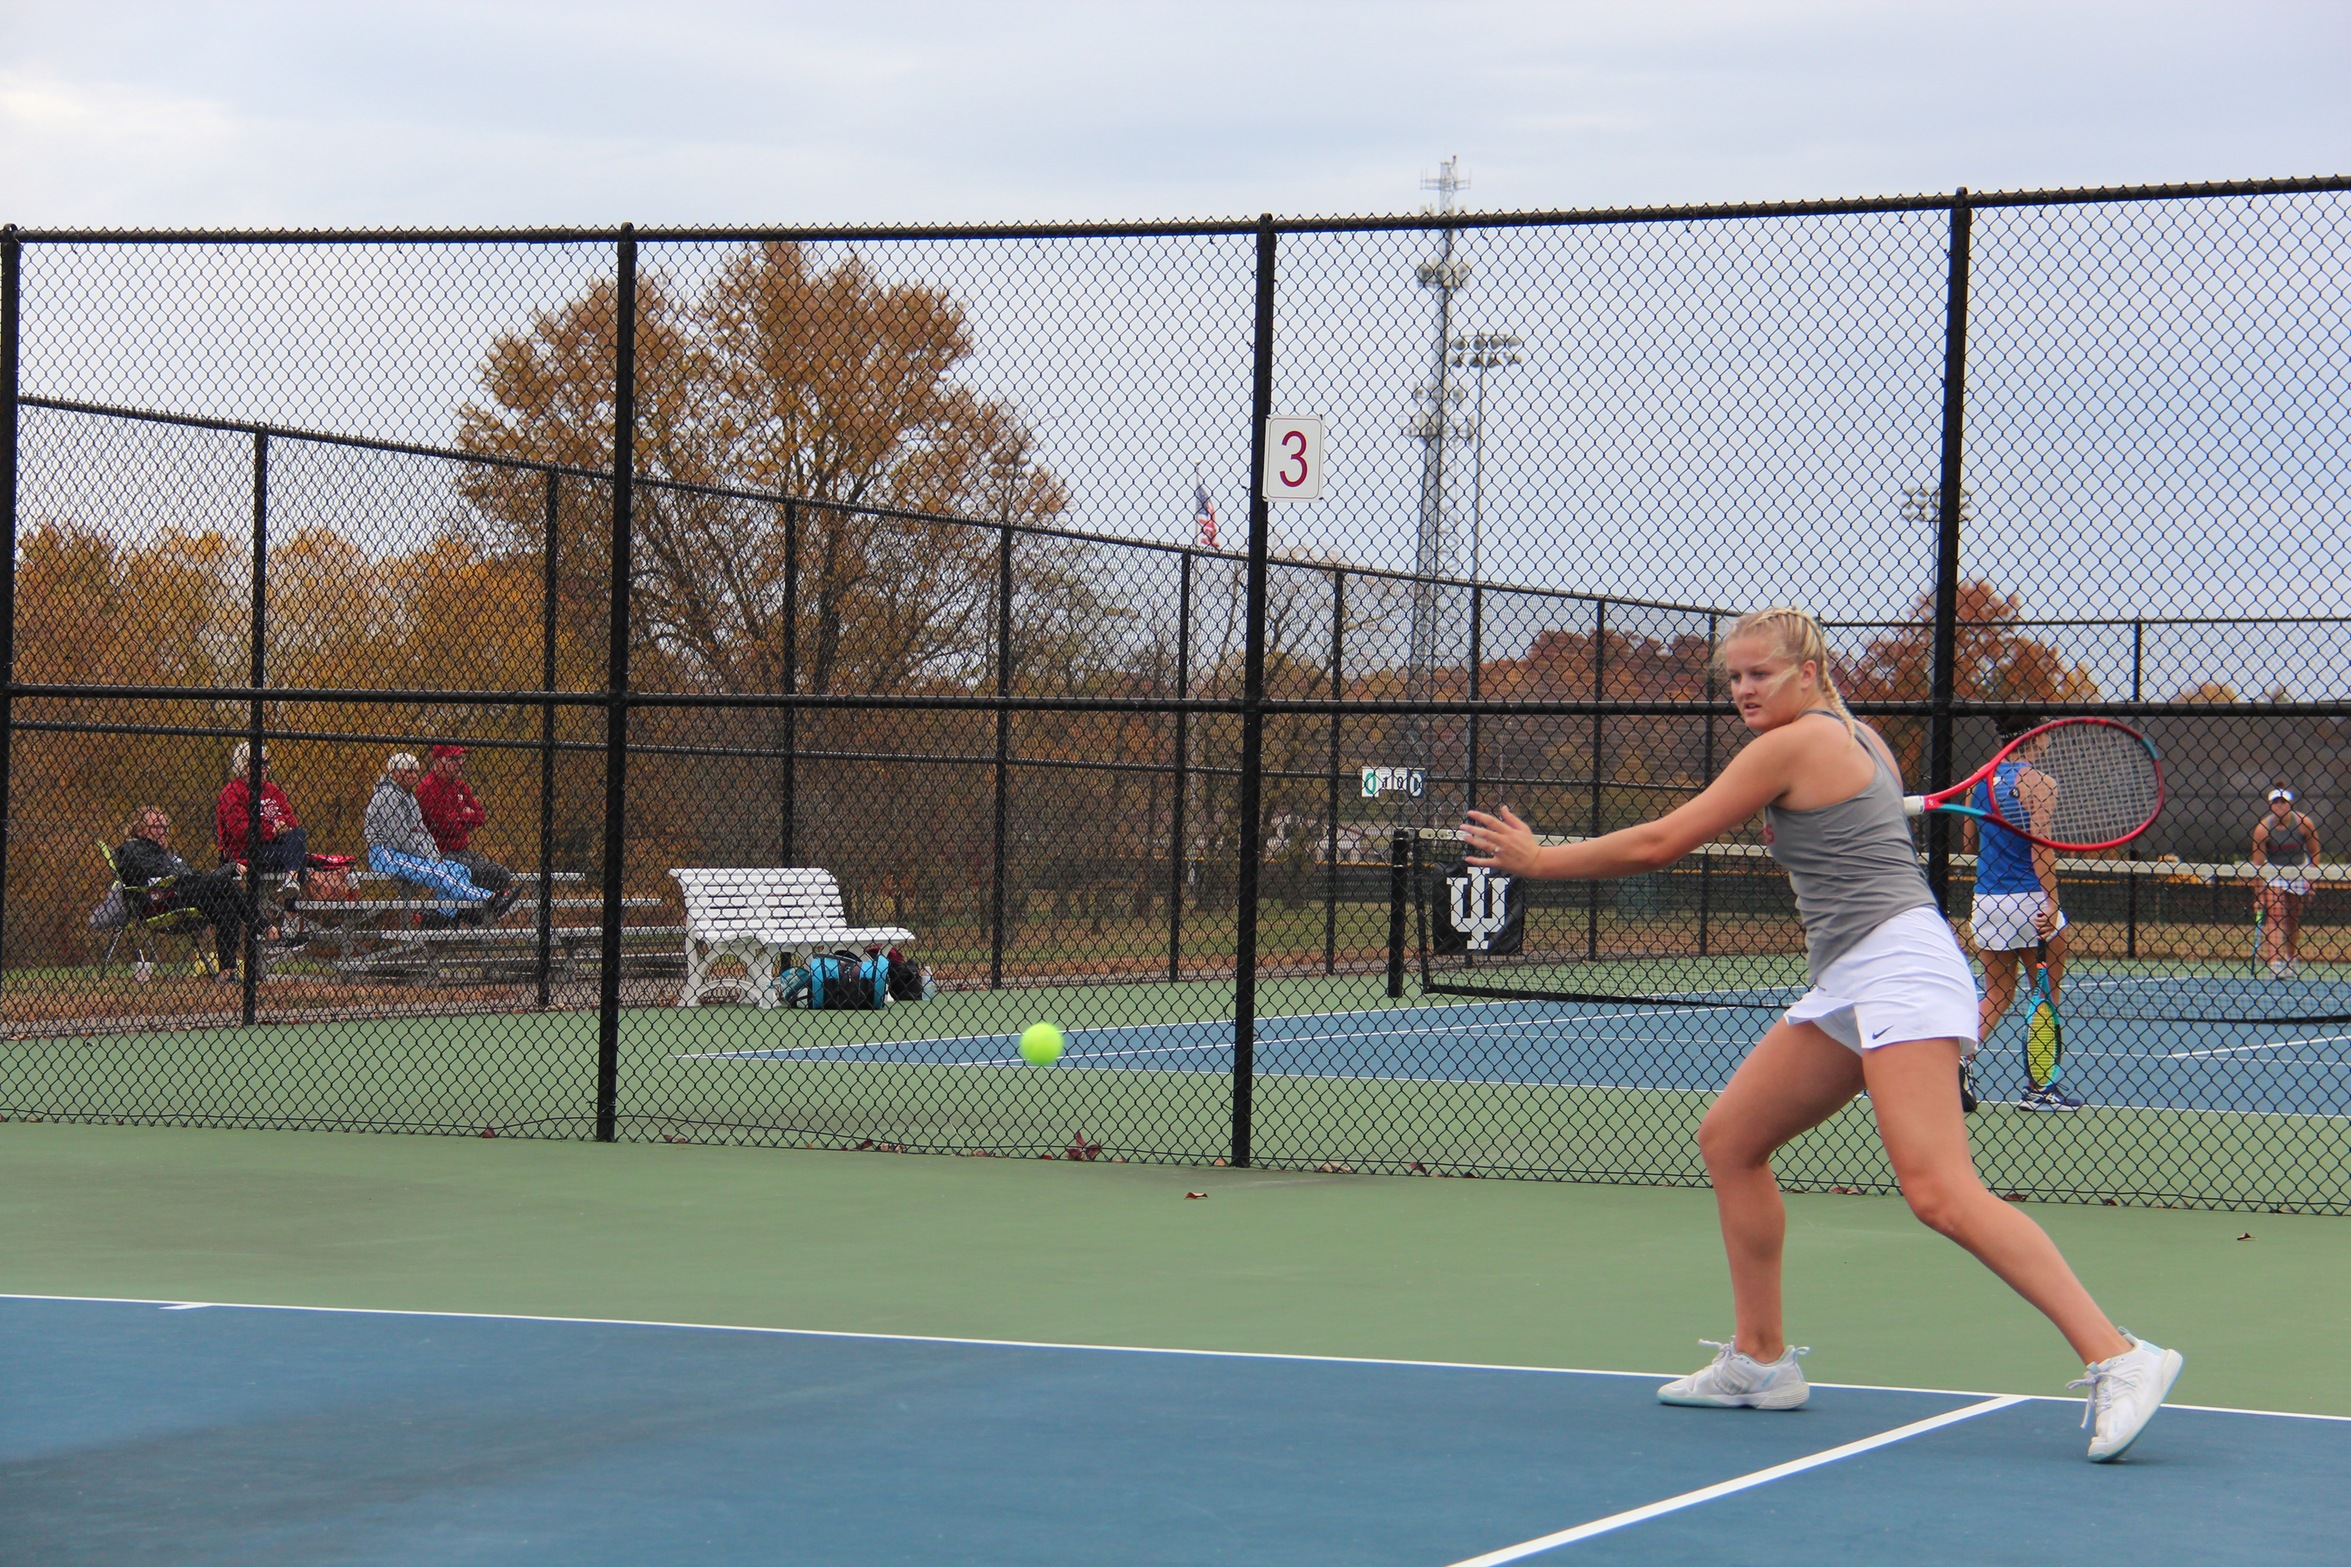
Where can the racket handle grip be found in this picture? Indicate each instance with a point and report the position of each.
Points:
(1914, 805)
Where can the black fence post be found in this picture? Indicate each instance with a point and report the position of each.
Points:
(2130, 940)
(1946, 652)
(1178, 854)
(788, 793)
(256, 669)
(1477, 661)
(1330, 895)
(997, 887)
(616, 689)
(11, 267)
(1599, 746)
(1252, 711)
(1706, 777)
(547, 601)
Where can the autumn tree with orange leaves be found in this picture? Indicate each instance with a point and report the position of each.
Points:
(779, 375)
(1994, 662)
(784, 377)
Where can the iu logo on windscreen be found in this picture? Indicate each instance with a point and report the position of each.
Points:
(1484, 912)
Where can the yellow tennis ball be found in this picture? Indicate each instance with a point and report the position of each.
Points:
(1040, 1044)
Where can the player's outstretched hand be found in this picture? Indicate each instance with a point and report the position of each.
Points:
(1500, 841)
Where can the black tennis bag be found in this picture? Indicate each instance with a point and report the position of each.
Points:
(907, 981)
(841, 981)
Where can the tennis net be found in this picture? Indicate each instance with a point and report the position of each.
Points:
(2158, 940)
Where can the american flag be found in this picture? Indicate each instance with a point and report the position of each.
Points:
(1203, 516)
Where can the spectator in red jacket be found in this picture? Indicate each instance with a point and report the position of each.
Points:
(285, 848)
(451, 814)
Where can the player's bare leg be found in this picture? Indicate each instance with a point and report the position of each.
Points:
(1795, 1078)
(1926, 1139)
(1999, 990)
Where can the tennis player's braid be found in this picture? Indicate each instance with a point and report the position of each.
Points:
(1796, 636)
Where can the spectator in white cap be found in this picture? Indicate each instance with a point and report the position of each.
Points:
(398, 843)
(2285, 846)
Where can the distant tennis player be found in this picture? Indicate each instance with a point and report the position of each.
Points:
(2286, 841)
(2016, 897)
(1892, 1009)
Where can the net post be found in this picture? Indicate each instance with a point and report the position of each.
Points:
(2130, 938)
(1252, 709)
(616, 685)
(1940, 762)
(1399, 889)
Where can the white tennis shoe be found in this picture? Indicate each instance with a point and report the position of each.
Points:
(2125, 1391)
(1740, 1381)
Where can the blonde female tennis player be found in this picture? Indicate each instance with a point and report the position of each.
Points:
(1892, 1009)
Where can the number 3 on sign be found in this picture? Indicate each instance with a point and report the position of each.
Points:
(1293, 458)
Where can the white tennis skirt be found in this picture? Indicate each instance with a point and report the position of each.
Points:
(1907, 979)
(2003, 921)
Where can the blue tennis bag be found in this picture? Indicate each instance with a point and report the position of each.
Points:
(840, 981)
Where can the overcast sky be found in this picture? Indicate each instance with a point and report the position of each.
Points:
(118, 113)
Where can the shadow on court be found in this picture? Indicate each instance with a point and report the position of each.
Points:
(219, 1434)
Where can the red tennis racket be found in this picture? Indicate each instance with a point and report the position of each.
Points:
(2083, 784)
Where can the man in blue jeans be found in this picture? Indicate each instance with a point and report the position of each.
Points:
(399, 844)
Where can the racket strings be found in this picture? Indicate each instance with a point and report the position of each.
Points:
(2107, 782)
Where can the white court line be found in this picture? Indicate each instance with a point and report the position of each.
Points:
(1745, 1482)
(2238, 1050)
(1115, 1349)
(1548, 1033)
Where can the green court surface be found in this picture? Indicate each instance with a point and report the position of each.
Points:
(1345, 1076)
(1520, 1273)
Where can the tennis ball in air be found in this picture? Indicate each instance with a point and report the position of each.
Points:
(1040, 1044)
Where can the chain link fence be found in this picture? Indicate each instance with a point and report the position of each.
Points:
(490, 684)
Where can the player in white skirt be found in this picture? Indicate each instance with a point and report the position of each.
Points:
(1892, 1009)
(2285, 846)
(2016, 904)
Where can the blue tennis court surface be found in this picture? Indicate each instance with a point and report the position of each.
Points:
(167, 1433)
(2118, 1052)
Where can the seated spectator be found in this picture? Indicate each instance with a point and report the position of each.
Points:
(451, 813)
(218, 895)
(285, 847)
(398, 844)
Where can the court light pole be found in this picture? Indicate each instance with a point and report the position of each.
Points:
(1433, 422)
(1482, 351)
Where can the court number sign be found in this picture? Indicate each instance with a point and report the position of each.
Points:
(1411, 781)
(1293, 458)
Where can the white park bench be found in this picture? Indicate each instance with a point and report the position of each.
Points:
(764, 919)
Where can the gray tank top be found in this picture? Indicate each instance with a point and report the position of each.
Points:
(2288, 845)
(1853, 863)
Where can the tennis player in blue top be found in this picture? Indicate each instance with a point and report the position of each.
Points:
(1892, 1009)
(2016, 898)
